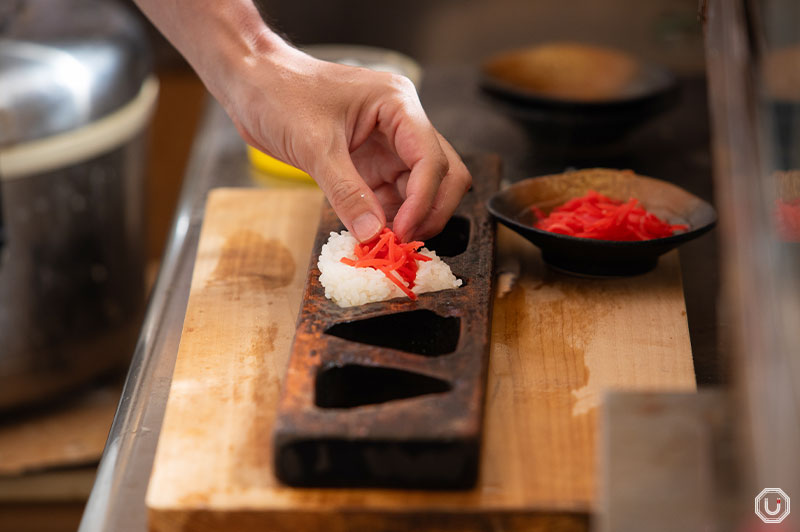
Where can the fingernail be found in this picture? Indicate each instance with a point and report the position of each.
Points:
(366, 226)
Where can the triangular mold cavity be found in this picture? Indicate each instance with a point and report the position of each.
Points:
(355, 385)
(418, 331)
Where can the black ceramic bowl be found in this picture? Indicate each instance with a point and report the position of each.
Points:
(585, 256)
(577, 94)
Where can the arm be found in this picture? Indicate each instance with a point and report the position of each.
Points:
(362, 135)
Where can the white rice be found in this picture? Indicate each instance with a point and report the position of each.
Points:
(348, 286)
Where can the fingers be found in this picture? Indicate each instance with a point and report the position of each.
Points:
(455, 184)
(417, 144)
(356, 205)
(437, 179)
(390, 198)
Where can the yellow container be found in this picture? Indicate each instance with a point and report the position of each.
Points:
(275, 168)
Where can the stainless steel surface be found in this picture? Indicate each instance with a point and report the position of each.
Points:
(64, 64)
(2, 229)
(71, 276)
(666, 463)
(755, 121)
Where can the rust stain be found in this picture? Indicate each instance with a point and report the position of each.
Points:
(248, 256)
(258, 449)
(253, 457)
(264, 341)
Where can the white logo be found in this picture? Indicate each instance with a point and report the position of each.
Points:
(772, 505)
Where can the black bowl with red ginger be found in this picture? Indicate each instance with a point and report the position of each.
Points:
(516, 206)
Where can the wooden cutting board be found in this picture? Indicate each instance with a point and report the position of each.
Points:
(558, 343)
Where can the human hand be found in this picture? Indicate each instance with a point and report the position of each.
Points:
(362, 135)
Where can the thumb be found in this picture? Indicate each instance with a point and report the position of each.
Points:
(353, 201)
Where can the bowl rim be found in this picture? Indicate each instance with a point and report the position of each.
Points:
(511, 93)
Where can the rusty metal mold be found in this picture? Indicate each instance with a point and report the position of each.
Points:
(391, 394)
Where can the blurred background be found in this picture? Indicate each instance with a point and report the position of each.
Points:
(439, 33)
(50, 442)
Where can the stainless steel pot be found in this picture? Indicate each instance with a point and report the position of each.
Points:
(76, 96)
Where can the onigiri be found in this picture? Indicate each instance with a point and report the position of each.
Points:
(349, 286)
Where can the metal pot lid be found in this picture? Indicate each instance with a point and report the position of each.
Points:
(66, 63)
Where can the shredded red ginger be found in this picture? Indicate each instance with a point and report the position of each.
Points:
(600, 217)
(787, 214)
(396, 260)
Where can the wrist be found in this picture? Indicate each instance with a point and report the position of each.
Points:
(235, 52)
(224, 42)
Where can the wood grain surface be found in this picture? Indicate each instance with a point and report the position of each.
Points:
(558, 343)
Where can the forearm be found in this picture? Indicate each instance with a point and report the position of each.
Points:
(219, 39)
